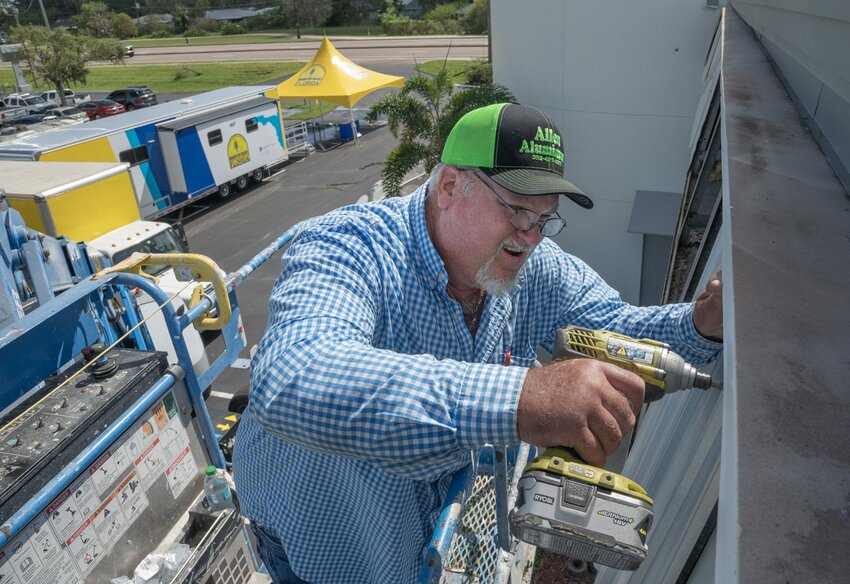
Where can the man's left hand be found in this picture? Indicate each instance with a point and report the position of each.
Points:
(708, 309)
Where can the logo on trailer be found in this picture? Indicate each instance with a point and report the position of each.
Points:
(311, 77)
(237, 151)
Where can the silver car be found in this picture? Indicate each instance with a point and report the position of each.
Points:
(67, 113)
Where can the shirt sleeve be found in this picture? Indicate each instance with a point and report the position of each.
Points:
(318, 381)
(588, 301)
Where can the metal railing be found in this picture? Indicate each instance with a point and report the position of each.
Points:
(297, 138)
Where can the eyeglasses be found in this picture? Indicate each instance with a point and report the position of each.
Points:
(525, 219)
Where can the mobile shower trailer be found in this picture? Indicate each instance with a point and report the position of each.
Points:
(178, 151)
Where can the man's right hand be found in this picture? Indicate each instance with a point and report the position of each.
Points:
(582, 404)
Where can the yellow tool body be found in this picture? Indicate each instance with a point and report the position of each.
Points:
(572, 508)
(662, 370)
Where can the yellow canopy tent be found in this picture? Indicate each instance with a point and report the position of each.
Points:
(332, 77)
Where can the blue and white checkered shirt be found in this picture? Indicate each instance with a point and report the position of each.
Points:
(367, 389)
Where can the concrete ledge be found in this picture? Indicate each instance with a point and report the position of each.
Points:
(785, 462)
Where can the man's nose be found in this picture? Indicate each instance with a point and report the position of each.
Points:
(531, 237)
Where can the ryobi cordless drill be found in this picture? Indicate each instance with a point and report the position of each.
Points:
(571, 508)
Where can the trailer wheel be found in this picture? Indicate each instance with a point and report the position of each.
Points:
(257, 175)
(242, 183)
(224, 190)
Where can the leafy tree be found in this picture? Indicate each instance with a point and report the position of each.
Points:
(307, 14)
(123, 26)
(476, 20)
(348, 12)
(421, 115)
(446, 16)
(95, 19)
(59, 58)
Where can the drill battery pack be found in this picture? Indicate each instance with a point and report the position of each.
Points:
(581, 511)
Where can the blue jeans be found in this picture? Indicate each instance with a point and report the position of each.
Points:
(273, 556)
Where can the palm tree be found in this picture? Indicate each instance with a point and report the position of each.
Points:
(182, 18)
(421, 116)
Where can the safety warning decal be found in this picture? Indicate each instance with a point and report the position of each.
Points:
(623, 349)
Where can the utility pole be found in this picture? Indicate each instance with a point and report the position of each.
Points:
(44, 14)
(295, 8)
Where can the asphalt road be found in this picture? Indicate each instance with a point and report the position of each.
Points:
(358, 49)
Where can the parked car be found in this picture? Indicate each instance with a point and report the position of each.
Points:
(129, 51)
(31, 119)
(67, 113)
(100, 108)
(71, 98)
(9, 114)
(133, 97)
(32, 103)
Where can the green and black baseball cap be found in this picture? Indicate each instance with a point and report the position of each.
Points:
(517, 146)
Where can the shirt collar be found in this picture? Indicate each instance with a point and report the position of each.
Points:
(432, 265)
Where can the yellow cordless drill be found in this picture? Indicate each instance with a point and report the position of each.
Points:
(571, 508)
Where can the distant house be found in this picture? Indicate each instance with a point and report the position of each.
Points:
(234, 15)
(156, 18)
(410, 8)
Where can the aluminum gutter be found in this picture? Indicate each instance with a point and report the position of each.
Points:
(784, 511)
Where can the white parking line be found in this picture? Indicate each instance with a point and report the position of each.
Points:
(221, 394)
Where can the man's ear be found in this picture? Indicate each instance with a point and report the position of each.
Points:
(450, 179)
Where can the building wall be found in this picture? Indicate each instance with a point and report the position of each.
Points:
(621, 79)
(809, 42)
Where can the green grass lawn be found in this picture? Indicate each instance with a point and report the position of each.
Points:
(177, 78)
(200, 77)
(235, 39)
(457, 69)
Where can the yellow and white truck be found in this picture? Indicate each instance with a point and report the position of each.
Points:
(96, 203)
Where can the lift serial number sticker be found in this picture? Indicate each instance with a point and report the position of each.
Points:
(184, 273)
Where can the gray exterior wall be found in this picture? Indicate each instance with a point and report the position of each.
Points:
(622, 80)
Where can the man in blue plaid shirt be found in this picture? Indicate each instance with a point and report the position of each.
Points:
(383, 365)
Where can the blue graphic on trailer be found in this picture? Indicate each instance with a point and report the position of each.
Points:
(274, 120)
(193, 162)
(153, 169)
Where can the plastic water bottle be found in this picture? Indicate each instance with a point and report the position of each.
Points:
(217, 489)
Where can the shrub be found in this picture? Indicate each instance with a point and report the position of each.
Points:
(231, 28)
(182, 72)
(195, 32)
(207, 24)
(405, 26)
(480, 73)
(259, 22)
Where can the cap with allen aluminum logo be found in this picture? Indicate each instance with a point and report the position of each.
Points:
(517, 146)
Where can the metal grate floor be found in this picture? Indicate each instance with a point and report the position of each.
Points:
(474, 552)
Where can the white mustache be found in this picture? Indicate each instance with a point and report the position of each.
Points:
(515, 245)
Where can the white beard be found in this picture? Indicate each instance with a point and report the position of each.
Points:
(498, 286)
